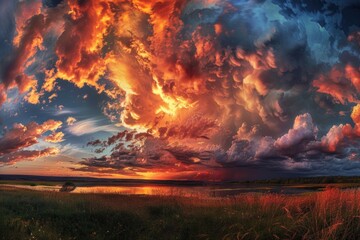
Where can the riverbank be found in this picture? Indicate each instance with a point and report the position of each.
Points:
(218, 190)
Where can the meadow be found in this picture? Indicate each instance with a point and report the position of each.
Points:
(330, 214)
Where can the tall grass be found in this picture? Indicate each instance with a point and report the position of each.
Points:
(331, 214)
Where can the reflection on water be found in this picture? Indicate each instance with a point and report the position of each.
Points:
(145, 190)
(191, 191)
(187, 191)
(37, 187)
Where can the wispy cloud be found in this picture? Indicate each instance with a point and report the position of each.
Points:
(90, 125)
(61, 110)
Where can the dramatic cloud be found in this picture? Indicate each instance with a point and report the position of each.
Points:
(191, 86)
(303, 130)
(21, 136)
(27, 155)
(14, 141)
(343, 84)
(31, 25)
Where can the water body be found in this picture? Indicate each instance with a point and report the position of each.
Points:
(187, 191)
(191, 191)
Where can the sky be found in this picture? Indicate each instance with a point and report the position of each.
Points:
(182, 89)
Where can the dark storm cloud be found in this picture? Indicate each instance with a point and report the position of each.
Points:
(51, 3)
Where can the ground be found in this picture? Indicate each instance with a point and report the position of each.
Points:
(331, 214)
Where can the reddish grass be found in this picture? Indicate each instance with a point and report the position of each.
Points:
(331, 214)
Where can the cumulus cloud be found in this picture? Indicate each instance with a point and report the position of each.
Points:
(70, 121)
(55, 137)
(333, 138)
(340, 135)
(303, 130)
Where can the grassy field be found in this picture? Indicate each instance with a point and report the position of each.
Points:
(25, 214)
(29, 183)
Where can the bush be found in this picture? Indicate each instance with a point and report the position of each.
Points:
(68, 187)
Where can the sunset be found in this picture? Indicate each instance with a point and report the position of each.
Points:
(118, 96)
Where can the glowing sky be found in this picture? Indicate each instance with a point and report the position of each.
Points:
(198, 89)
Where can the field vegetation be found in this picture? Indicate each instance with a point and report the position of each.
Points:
(331, 214)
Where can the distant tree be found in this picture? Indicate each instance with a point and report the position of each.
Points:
(68, 187)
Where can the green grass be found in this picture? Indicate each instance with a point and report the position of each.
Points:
(24, 214)
(29, 183)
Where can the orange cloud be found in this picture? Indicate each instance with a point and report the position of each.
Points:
(353, 74)
(333, 138)
(27, 155)
(14, 143)
(157, 75)
(30, 38)
(342, 84)
(80, 46)
(336, 135)
(193, 86)
(354, 37)
(32, 23)
(3, 96)
(25, 11)
(22, 136)
(55, 137)
(70, 121)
